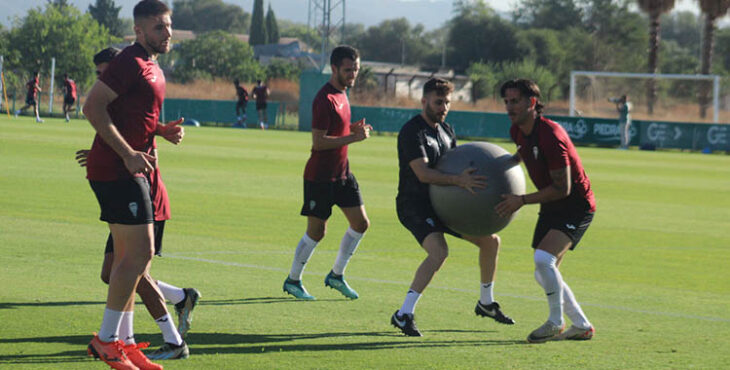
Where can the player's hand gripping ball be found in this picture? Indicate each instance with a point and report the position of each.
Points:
(473, 214)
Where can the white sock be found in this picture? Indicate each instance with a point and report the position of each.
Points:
(573, 310)
(169, 331)
(109, 330)
(126, 328)
(552, 283)
(486, 293)
(170, 292)
(348, 245)
(304, 251)
(409, 304)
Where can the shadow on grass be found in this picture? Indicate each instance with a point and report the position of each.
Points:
(227, 343)
(264, 300)
(7, 305)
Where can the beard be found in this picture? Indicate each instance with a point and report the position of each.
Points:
(435, 116)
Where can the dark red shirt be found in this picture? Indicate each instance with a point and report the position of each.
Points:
(260, 93)
(140, 86)
(242, 94)
(70, 87)
(331, 112)
(548, 147)
(32, 86)
(160, 201)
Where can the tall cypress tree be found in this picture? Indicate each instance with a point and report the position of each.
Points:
(272, 28)
(107, 14)
(257, 36)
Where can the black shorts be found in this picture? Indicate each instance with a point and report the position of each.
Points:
(69, 100)
(260, 106)
(125, 202)
(319, 197)
(574, 225)
(30, 100)
(420, 219)
(159, 227)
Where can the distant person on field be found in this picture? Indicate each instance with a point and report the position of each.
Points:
(567, 205)
(261, 94)
(327, 177)
(623, 106)
(31, 98)
(242, 95)
(184, 299)
(69, 96)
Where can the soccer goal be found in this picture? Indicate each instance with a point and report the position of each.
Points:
(596, 90)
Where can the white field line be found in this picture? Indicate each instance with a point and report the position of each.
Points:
(406, 284)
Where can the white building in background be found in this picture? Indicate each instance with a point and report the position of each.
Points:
(407, 81)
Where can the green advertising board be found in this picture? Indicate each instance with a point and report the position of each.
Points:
(215, 111)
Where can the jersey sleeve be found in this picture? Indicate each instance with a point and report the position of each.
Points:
(121, 74)
(411, 145)
(321, 117)
(556, 151)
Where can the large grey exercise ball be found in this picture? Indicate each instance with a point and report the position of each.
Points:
(473, 214)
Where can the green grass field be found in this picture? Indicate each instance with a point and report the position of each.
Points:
(652, 271)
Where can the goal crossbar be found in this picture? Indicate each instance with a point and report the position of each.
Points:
(668, 76)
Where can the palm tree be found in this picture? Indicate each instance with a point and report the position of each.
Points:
(712, 9)
(654, 8)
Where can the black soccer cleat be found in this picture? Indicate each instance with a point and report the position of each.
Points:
(492, 310)
(406, 324)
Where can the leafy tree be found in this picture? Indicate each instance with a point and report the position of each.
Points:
(63, 33)
(301, 32)
(208, 15)
(257, 35)
(279, 68)
(654, 8)
(713, 10)
(484, 80)
(107, 14)
(684, 28)
(272, 27)
(393, 41)
(477, 33)
(216, 54)
(551, 14)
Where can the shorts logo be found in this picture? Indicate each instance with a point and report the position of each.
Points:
(430, 222)
(312, 204)
(133, 208)
(535, 151)
(570, 226)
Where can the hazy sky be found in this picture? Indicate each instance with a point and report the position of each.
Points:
(430, 13)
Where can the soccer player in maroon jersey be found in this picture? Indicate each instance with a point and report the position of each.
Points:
(567, 204)
(69, 96)
(184, 299)
(241, 103)
(124, 106)
(261, 94)
(31, 98)
(421, 143)
(327, 177)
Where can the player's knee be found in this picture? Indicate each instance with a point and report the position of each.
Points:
(544, 259)
(437, 259)
(361, 226)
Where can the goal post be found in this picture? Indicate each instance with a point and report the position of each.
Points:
(658, 76)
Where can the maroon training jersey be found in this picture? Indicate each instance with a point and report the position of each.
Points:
(32, 86)
(140, 86)
(549, 148)
(260, 92)
(160, 201)
(70, 87)
(331, 112)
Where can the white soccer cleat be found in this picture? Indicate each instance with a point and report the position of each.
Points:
(576, 333)
(545, 332)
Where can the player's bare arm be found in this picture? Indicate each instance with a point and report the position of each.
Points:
(466, 179)
(95, 111)
(359, 132)
(559, 189)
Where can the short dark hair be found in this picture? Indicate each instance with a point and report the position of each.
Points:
(236, 82)
(527, 88)
(439, 85)
(343, 52)
(150, 8)
(35, 73)
(106, 55)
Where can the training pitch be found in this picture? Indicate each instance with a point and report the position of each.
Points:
(651, 272)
